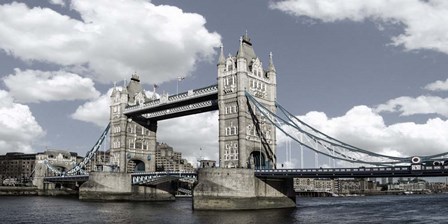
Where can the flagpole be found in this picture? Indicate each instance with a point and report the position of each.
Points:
(179, 78)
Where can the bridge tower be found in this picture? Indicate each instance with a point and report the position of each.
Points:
(246, 139)
(132, 146)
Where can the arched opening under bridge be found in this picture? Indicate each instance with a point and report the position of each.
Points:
(258, 160)
(136, 166)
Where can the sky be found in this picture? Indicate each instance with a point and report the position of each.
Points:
(372, 73)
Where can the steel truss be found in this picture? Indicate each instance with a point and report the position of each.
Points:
(79, 168)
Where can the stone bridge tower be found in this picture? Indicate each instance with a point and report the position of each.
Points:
(132, 146)
(246, 139)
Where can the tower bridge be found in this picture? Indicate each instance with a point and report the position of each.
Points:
(249, 117)
(244, 141)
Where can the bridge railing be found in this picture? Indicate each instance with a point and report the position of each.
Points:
(159, 177)
(397, 171)
(68, 178)
(174, 98)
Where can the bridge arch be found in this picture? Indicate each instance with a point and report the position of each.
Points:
(257, 160)
(136, 166)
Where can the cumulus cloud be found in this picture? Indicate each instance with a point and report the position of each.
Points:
(19, 129)
(57, 2)
(421, 105)
(97, 111)
(423, 21)
(32, 86)
(363, 127)
(192, 133)
(160, 42)
(437, 86)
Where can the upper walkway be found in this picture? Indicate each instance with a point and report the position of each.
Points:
(191, 102)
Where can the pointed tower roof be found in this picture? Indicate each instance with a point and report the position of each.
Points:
(271, 67)
(246, 50)
(221, 60)
(240, 53)
(114, 90)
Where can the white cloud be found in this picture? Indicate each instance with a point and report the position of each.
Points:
(420, 105)
(114, 38)
(364, 128)
(19, 128)
(31, 86)
(97, 111)
(191, 133)
(424, 21)
(57, 2)
(437, 86)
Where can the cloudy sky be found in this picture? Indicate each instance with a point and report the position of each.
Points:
(373, 73)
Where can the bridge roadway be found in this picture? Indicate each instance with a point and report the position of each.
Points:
(360, 172)
(67, 178)
(154, 178)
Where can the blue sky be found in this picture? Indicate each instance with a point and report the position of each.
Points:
(361, 71)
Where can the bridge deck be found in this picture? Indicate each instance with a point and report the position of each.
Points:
(361, 172)
(72, 178)
(154, 178)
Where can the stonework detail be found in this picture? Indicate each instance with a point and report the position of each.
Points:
(243, 135)
(132, 145)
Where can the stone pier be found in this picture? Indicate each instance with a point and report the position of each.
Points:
(239, 189)
(117, 187)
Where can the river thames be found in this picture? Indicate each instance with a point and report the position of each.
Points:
(369, 209)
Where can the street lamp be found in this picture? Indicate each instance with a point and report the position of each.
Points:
(179, 78)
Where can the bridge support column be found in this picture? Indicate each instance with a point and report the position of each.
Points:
(118, 187)
(237, 189)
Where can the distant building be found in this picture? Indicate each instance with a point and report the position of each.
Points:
(313, 185)
(169, 160)
(207, 163)
(438, 187)
(101, 162)
(58, 161)
(17, 166)
(355, 186)
(339, 186)
(415, 185)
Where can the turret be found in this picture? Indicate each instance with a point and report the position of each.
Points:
(221, 62)
(241, 59)
(271, 73)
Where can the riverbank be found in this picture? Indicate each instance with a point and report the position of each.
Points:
(361, 193)
(18, 191)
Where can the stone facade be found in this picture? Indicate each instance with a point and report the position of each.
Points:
(239, 189)
(245, 138)
(16, 167)
(130, 142)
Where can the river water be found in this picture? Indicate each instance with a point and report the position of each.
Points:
(370, 209)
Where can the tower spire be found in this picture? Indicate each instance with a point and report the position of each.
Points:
(221, 60)
(271, 67)
(240, 51)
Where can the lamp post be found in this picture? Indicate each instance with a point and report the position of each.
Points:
(180, 78)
